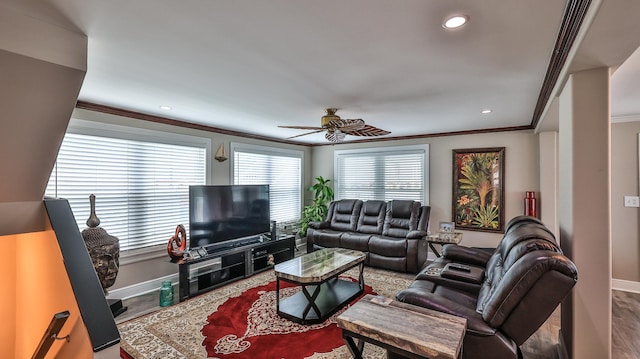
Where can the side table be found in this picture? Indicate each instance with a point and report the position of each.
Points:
(442, 238)
(405, 329)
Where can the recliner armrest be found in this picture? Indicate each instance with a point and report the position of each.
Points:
(464, 254)
(463, 273)
(416, 234)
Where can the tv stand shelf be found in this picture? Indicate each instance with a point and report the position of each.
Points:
(225, 265)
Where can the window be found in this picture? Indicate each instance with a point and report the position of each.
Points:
(140, 178)
(383, 173)
(281, 169)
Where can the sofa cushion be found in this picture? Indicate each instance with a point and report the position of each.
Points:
(389, 247)
(356, 241)
(372, 216)
(344, 214)
(392, 263)
(401, 218)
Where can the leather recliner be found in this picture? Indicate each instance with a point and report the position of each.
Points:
(522, 283)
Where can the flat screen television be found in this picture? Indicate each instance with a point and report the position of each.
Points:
(227, 213)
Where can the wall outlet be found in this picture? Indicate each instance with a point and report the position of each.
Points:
(631, 201)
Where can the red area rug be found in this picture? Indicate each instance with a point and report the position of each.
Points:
(240, 321)
(124, 355)
(249, 327)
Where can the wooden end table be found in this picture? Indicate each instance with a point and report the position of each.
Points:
(442, 238)
(405, 329)
(323, 293)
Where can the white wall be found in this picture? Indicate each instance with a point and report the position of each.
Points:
(521, 172)
(625, 223)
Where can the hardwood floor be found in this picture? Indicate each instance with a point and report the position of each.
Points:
(625, 330)
(625, 325)
(543, 344)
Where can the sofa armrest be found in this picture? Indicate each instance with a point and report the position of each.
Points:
(422, 298)
(319, 225)
(464, 254)
(416, 234)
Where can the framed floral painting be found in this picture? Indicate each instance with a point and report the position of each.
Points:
(478, 189)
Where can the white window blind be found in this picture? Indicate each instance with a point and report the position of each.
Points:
(141, 188)
(280, 169)
(383, 174)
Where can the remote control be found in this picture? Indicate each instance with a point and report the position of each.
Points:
(460, 268)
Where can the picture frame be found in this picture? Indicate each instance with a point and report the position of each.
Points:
(478, 189)
(447, 227)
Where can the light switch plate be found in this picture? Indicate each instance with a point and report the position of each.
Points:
(631, 201)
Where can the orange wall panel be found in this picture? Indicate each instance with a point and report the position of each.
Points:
(42, 289)
(8, 299)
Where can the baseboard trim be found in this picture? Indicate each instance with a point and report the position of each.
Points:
(625, 285)
(141, 288)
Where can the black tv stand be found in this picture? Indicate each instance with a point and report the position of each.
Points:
(225, 264)
(221, 247)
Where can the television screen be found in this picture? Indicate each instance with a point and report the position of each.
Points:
(225, 213)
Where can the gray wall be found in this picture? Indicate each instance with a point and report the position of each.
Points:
(624, 220)
(521, 172)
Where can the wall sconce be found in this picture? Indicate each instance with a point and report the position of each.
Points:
(221, 155)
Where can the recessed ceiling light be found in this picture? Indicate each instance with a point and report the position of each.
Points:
(486, 111)
(455, 21)
(164, 107)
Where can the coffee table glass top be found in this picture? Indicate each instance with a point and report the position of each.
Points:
(319, 265)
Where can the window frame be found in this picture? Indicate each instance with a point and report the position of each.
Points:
(109, 130)
(269, 151)
(384, 150)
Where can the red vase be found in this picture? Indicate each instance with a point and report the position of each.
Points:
(530, 205)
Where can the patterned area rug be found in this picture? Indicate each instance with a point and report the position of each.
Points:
(208, 323)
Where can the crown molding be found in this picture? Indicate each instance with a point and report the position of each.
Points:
(167, 121)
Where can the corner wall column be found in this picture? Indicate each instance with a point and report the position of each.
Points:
(548, 147)
(584, 210)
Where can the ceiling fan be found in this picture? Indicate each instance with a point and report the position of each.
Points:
(337, 128)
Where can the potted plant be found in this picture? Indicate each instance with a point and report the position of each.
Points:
(317, 211)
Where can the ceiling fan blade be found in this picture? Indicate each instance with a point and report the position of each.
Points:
(347, 125)
(303, 127)
(367, 130)
(335, 135)
(307, 133)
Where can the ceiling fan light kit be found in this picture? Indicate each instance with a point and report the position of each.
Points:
(337, 129)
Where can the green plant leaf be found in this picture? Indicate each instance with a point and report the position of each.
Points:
(317, 211)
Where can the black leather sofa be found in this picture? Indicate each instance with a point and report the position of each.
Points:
(389, 233)
(505, 295)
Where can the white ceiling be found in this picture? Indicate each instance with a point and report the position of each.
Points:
(250, 66)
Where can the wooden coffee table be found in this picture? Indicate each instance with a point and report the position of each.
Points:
(323, 293)
(409, 330)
